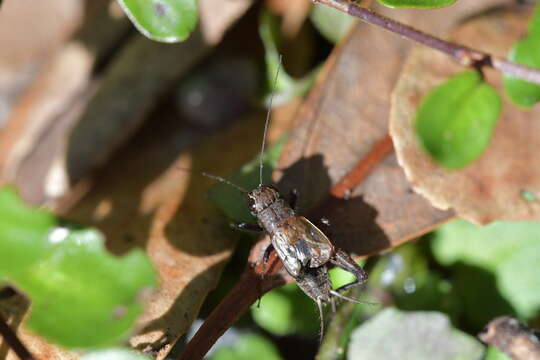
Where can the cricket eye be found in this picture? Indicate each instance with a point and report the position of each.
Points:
(251, 203)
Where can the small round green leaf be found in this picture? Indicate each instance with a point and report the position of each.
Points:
(81, 295)
(417, 4)
(162, 20)
(455, 120)
(525, 52)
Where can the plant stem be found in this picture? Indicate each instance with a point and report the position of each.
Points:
(462, 54)
(13, 341)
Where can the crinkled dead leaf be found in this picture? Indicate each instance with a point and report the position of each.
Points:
(491, 188)
(344, 117)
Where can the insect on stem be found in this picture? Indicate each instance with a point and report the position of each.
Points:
(267, 121)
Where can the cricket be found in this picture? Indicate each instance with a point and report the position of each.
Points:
(306, 252)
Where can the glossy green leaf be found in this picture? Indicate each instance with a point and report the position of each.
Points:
(417, 4)
(248, 347)
(75, 285)
(229, 199)
(392, 334)
(525, 52)
(114, 354)
(287, 88)
(455, 120)
(508, 252)
(331, 23)
(162, 20)
(287, 311)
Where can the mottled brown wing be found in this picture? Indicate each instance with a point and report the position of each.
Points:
(300, 243)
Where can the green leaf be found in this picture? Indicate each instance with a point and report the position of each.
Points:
(162, 20)
(455, 120)
(114, 354)
(340, 277)
(250, 346)
(417, 4)
(411, 335)
(413, 284)
(286, 88)
(525, 52)
(495, 354)
(331, 23)
(509, 252)
(75, 286)
(286, 311)
(229, 199)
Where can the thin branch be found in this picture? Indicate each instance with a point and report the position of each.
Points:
(515, 339)
(363, 168)
(13, 341)
(464, 55)
(256, 280)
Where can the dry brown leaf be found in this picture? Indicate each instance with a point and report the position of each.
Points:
(491, 188)
(62, 129)
(143, 199)
(49, 23)
(341, 122)
(61, 83)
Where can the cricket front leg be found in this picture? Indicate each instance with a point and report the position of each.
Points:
(342, 260)
(246, 226)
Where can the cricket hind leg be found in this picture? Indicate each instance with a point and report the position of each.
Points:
(321, 315)
(342, 260)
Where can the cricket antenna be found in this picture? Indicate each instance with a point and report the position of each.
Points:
(266, 122)
(225, 181)
(215, 177)
(335, 293)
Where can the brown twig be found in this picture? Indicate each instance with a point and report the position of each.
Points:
(462, 54)
(258, 278)
(515, 339)
(363, 168)
(13, 341)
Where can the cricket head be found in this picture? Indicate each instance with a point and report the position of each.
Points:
(261, 198)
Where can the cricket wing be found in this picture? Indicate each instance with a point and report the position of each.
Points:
(300, 243)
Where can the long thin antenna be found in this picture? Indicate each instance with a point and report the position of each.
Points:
(335, 293)
(266, 123)
(214, 177)
(223, 180)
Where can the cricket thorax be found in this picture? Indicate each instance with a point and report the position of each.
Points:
(270, 209)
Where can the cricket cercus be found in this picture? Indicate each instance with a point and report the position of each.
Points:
(304, 249)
